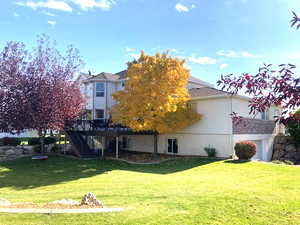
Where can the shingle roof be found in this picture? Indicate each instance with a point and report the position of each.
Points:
(105, 76)
(206, 91)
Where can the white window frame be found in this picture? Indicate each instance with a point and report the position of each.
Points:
(100, 92)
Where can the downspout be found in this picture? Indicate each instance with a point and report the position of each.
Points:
(231, 133)
(93, 107)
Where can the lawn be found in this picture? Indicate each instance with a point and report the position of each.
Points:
(183, 191)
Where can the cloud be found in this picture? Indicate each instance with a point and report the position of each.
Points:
(90, 4)
(49, 14)
(181, 8)
(50, 4)
(223, 66)
(52, 22)
(136, 56)
(16, 14)
(127, 49)
(234, 54)
(202, 60)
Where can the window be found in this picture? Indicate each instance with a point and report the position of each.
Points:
(99, 114)
(172, 145)
(126, 142)
(123, 84)
(99, 89)
(265, 115)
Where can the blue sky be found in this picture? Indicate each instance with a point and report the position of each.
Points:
(214, 36)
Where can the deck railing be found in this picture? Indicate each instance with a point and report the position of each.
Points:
(93, 125)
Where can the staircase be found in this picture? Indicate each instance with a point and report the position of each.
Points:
(81, 145)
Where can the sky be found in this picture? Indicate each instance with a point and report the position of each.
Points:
(214, 36)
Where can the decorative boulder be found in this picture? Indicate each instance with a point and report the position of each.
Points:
(10, 152)
(91, 200)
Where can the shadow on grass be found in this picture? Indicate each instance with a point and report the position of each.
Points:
(237, 161)
(26, 173)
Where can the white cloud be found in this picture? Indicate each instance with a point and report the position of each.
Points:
(202, 60)
(52, 22)
(50, 4)
(16, 14)
(49, 14)
(90, 4)
(127, 49)
(181, 8)
(234, 54)
(247, 54)
(223, 66)
(136, 56)
(229, 53)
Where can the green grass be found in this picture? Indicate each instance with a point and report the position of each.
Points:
(182, 192)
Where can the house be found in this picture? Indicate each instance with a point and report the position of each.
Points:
(216, 129)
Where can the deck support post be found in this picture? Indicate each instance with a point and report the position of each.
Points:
(117, 147)
(155, 147)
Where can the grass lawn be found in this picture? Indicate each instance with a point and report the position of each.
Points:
(184, 191)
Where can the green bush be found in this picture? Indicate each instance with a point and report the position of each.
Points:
(34, 141)
(245, 150)
(211, 152)
(10, 141)
(293, 127)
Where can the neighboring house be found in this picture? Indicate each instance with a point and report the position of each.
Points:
(216, 129)
(23, 134)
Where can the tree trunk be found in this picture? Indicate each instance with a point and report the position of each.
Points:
(155, 137)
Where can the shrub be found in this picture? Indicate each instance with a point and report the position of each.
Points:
(211, 152)
(34, 141)
(293, 127)
(11, 141)
(245, 150)
(49, 140)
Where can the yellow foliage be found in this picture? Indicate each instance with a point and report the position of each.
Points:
(155, 95)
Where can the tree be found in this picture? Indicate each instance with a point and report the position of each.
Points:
(37, 91)
(155, 96)
(270, 86)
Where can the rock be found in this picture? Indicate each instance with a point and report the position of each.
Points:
(10, 152)
(296, 156)
(2, 152)
(91, 200)
(66, 202)
(4, 202)
(279, 146)
(28, 149)
(290, 148)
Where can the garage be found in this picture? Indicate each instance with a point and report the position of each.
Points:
(259, 150)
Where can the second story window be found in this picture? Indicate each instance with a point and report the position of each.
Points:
(100, 89)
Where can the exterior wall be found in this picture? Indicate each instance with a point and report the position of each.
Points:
(188, 144)
(215, 130)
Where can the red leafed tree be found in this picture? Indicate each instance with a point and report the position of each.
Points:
(37, 91)
(270, 86)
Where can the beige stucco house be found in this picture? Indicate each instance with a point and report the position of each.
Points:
(216, 129)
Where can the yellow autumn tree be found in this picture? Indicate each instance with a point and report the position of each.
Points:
(155, 96)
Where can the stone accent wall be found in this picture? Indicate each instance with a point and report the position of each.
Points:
(253, 126)
(284, 149)
(11, 152)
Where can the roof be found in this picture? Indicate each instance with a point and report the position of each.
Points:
(122, 75)
(207, 91)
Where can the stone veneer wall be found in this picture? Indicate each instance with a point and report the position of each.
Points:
(12, 152)
(284, 149)
(253, 126)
